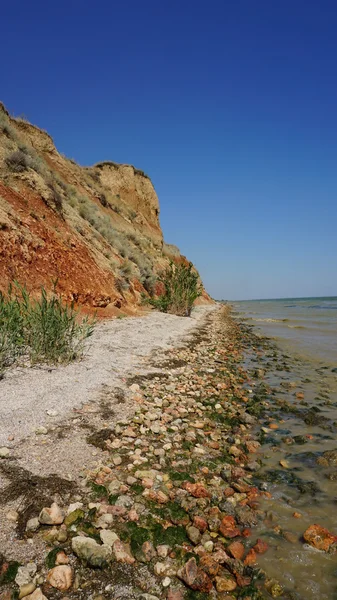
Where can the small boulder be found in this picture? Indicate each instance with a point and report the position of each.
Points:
(319, 537)
(60, 577)
(89, 550)
(52, 516)
(194, 577)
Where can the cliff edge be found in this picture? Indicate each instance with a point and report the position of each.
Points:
(93, 230)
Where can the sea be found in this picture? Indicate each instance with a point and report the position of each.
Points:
(305, 332)
(307, 326)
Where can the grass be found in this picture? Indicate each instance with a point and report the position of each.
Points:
(181, 288)
(44, 330)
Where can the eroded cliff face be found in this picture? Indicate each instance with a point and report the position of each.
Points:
(93, 229)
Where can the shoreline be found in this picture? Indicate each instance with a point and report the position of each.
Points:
(182, 487)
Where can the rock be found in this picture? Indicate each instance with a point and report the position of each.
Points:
(4, 452)
(261, 547)
(74, 516)
(52, 516)
(225, 583)
(148, 551)
(200, 523)
(89, 550)
(228, 527)
(12, 515)
(194, 577)
(246, 516)
(166, 582)
(108, 537)
(250, 558)
(41, 430)
(319, 537)
(209, 545)
(60, 577)
(193, 534)
(36, 595)
(61, 558)
(175, 594)
(209, 565)
(25, 574)
(163, 550)
(122, 553)
(117, 459)
(26, 589)
(236, 549)
(197, 490)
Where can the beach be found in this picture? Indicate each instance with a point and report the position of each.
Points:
(217, 481)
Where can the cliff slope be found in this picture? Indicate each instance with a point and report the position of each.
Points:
(94, 230)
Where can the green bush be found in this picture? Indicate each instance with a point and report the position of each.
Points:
(44, 330)
(181, 289)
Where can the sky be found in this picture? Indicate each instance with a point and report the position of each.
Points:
(229, 105)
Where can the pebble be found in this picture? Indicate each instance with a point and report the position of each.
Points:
(4, 452)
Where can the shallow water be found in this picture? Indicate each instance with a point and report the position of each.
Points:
(307, 325)
(304, 485)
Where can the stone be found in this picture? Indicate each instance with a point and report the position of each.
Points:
(250, 558)
(228, 527)
(25, 574)
(61, 558)
(108, 537)
(41, 430)
(4, 452)
(200, 523)
(92, 552)
(26, 589)
(12, 515)
(148, 551)
(74, 516)
(61, 577)
(194, 577)
(319, 537)
(193, 534)
(236, 550)
(261, 546)
(209, 565)
(197, 490)
(175, 594)
(122, 553)
(166, 582)
(163, 550)
(36, 595)
(225, 583)
(52, 516)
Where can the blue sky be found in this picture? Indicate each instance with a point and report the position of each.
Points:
(230, 106)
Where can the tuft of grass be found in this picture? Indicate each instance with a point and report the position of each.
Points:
(181, 288)
(45, 330)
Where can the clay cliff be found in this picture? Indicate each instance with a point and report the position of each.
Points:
(95, 230)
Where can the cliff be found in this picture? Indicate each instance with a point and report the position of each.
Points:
(94, 230)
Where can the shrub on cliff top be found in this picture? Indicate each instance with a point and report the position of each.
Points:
(181, 289)
(44, 330)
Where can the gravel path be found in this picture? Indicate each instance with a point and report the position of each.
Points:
(116, 349)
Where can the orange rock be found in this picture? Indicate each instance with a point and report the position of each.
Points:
(250, 558)
(236, 549)
(319, 537)
(228, 527)
(273, 426)
(261, 546)
(200, 523)
(297, 515)
(197, 490)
